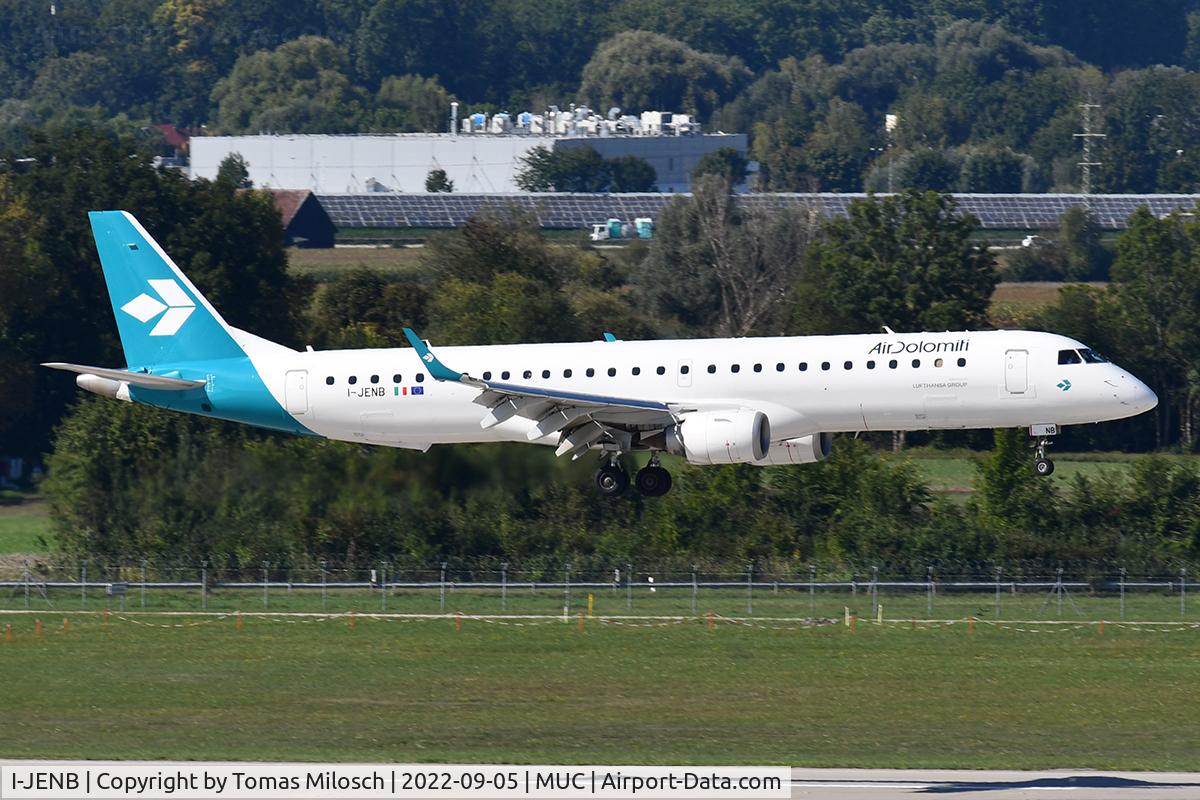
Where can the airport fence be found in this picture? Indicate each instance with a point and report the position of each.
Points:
(812, 591)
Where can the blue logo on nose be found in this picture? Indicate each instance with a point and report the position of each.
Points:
(1064, 384)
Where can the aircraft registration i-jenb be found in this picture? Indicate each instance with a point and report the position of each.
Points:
(762, 401)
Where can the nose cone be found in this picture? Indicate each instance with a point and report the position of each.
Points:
(1137, 395)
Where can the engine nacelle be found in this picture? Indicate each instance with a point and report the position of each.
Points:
(736, 436)
(105, 387)
(804, 450)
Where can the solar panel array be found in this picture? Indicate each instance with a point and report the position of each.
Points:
(561, 210)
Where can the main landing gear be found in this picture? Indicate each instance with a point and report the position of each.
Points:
(651, 481)
(1042, 466)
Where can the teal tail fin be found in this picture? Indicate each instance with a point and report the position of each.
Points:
(161, 317)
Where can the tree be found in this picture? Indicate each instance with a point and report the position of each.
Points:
(639, 70)
(725, 163)
(905, 261)
(992, 170)
(436, 181)
(431, 38)
(234, 171)
(300, 87)
(929, 170)
(410, 103)
(724, 268)
(563, 169)
(630, 174)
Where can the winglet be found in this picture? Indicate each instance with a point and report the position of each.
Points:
(436, 368)
(609, 336)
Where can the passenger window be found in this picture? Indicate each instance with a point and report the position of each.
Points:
(661, 370)
(396, 378)
(870, 365)
(848, 365)
(938, 362)
(567, 373)
(329, 381)
(420, 377)
(804, 366)
(353, 379)
(590, 372)
(527, 374)
(504, 375)
(685, 369)
(1069, 357)
(779, 367)
(374, 379)
(758, 367)
(892, 364)
(612, 372)
(735, 367)
(487, 376)
(545, 373)
(712, 368)
(916, 363)
(636, 370)
(824, 365)
(962, 362)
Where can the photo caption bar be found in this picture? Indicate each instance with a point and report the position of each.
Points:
(187, 780)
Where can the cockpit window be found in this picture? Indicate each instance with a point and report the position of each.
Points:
(1092, 357)
(1069, 357)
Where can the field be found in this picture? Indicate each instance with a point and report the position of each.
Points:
(389, 690)
(23, 527)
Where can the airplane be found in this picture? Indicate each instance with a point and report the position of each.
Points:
(763, 401)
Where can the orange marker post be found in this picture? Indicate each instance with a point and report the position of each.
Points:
(712, 625)
(8, 633)
(854, 622)
(1100, 628)
(238, 623)
(970, 624)
(457, 621)
(352, 620)
(581, 622)
(37, 628)
(66, 624)
(104, 617)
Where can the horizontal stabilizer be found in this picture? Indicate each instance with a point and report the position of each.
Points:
(142, 379)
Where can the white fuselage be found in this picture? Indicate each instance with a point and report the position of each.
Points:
(805, 384)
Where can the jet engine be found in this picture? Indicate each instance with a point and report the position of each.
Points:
(736, 436)
(803, 450)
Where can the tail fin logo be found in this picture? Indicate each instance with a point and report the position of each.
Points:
(172, 304)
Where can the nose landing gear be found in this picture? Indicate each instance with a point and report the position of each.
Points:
(1042, 466)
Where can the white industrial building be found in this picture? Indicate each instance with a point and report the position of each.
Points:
(483, 157)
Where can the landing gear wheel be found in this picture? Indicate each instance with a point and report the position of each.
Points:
(653, 481)
(1043, 467)
(612, 480)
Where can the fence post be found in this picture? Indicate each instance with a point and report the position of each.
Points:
(1058, 591)
(27, 584)
(442, 589)
(83, 584)
(812, 590)
(204, 584)
(695, 589)
(1182, 591)
(628, 587)
(324, 595)
(504, 586)
(567, 586)
(997, 592)
(750, 587)
(383, 566)
(266, 584)
(929, 593)
(1122, 582)
(874, 590)
(143, 583)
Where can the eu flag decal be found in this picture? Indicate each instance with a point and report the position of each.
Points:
(418, 390)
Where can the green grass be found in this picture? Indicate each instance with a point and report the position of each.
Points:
(24, 526)
(421, 691)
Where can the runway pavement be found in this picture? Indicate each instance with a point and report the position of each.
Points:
(889, 784)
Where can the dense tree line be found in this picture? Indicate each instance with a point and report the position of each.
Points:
(985, 93)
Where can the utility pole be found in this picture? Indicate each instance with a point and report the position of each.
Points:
(1088, 135)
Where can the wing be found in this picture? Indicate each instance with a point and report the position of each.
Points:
(143, 379)
(581, 419)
